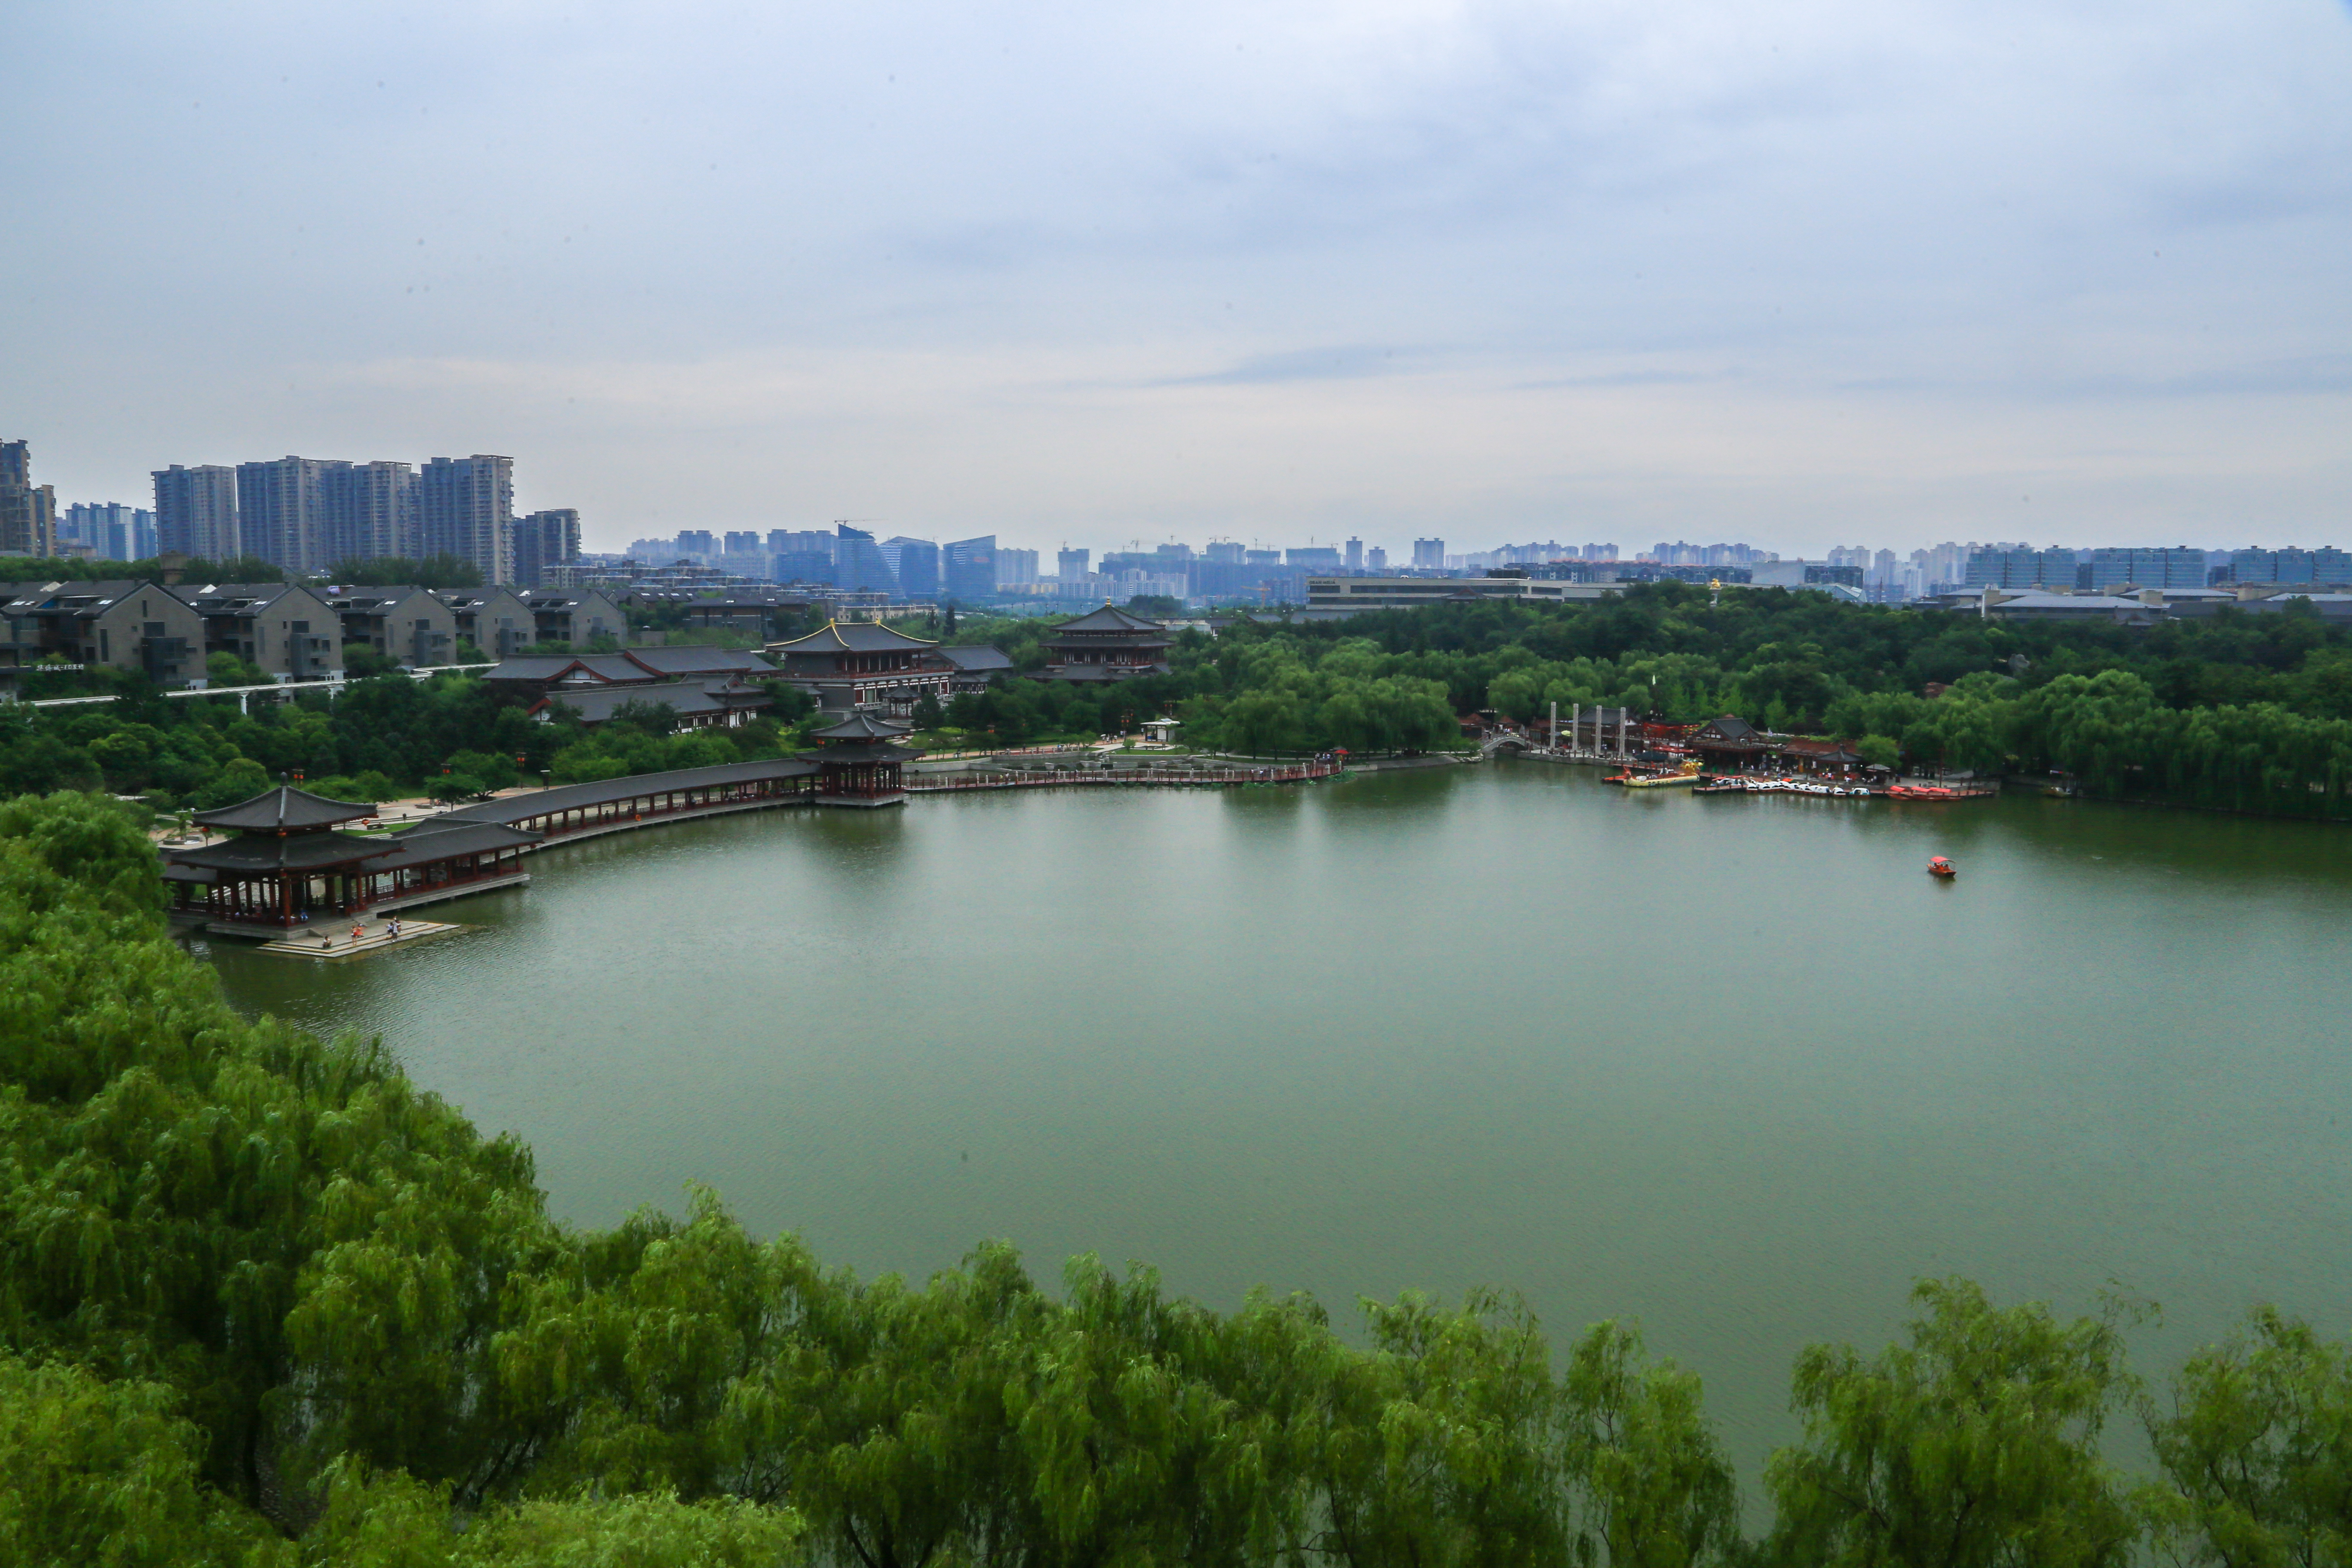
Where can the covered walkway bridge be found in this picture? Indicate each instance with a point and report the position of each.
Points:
(614, 806)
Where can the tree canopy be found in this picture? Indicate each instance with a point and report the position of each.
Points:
(265, 1302)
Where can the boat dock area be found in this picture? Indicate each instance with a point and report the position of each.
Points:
(329, 940)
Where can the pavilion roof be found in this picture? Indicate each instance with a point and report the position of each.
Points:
(1730, 727)
(861, 727)
(857, 637)
(300, 852)
(1109, 618)
(440, 839)
(863, 751)
(285, 810)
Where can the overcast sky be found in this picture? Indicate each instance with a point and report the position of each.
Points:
(1806, 273)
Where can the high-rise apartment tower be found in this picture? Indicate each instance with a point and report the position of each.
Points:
(465, 507)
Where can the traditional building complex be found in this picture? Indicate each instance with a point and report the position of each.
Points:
(288, 866)
(1108, 645)
(850, 666)
(702, 687)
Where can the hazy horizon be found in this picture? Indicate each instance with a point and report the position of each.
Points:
(1837, 274)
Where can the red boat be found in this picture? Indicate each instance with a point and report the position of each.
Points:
(1939, 867)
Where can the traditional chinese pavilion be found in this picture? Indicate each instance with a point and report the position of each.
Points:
(857, 664)
(857, 763)
(287, 865)
(1107, 644)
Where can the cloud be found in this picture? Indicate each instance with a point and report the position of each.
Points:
(1002, 265)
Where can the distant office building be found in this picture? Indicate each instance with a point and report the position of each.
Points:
(857, 563)
(1261, 557)
(801, 555)
(1429, 555)
(2016, 567)
(970, 569)
(545, 540)
(28, 512)
(1018, 568)
(917, 563)
(465, 507)
(697, 541)
(1355, 548)
(196, 512)
(2291, 565)
(743, 541)
(1070, 565)
(1376, 561)
(111, 531)
(1314, 558)
(1225, 552)
(2146, 568)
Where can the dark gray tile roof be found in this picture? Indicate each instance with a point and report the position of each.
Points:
(1109, 618)
(284, 809)
(978, 657)
(861, 727)
(687, 698)
(295, 852)
(604, 792)
(441, 839)
(854, 637)
(697, 660)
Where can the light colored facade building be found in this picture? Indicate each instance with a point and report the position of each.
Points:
(1016, 569)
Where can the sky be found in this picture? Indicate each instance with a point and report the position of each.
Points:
(1814, 273)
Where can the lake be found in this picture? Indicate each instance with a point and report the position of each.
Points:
(1734, 1066)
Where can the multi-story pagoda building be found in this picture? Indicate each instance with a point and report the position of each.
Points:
(1106, 644)
(288, 866)
(860, 665)
(858, 762)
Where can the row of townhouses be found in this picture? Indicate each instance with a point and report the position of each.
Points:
(168, 630)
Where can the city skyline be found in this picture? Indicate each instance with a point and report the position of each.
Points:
(1270, 273)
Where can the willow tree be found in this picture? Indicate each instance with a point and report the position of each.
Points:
(1974, 1444)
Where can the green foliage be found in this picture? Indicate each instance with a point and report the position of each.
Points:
(1975, 1443)
(2257, 1452)
(439, 572)
(225, 669)
(96, 1474)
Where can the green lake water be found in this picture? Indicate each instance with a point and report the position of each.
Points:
(1736, 1067)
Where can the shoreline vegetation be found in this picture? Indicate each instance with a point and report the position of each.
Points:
(2237, 711)
(264, 1301)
